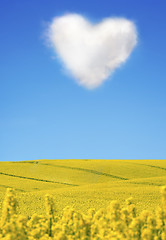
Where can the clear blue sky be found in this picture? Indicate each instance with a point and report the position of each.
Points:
(45, 114)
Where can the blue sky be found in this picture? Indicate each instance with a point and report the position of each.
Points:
(44, 114)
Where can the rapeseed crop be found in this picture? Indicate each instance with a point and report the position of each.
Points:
(82, 184)
(113, 222)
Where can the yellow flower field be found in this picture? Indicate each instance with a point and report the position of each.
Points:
(113, 222)
(83, 184)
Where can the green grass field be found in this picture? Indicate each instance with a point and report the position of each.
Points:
(83, 184)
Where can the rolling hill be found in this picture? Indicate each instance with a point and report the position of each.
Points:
(83, 184)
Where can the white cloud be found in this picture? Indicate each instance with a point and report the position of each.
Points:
(91, 52)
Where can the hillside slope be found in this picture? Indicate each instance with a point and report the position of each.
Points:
(83, 183)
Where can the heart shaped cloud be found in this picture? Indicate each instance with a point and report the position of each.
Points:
(91, 52)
